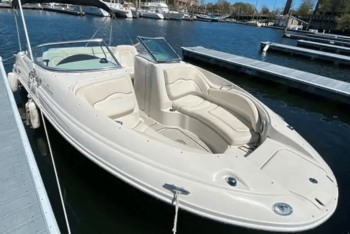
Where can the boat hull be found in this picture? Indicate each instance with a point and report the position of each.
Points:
(140, 160)
(89, 10)
(122, 13)
(173, 16)
(152, 15)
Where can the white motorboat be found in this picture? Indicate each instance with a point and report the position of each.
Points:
(151, 13)
(187, 17)
(204, 18)
(91, 10)
(174, 15)
(254, 23)
(120, 10)
(178, 132)
(154, 9)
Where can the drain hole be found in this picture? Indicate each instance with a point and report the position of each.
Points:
(319, 202)
(171, 110)
(330, 178)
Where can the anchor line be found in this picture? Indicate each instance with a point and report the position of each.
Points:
(176, 211)
(56, 175)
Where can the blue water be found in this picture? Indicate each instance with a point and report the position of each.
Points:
(100, 203)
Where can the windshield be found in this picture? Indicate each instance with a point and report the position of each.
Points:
(159, 49)
(75, 56)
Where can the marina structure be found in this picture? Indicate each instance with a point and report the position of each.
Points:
(313, 54)
(25, 206)
(311, 83)
(317, 39)
(324, 47)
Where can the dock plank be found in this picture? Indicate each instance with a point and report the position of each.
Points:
(312, 83)
(24, 205)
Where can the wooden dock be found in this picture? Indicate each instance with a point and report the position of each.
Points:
(25, 206)
(316, 39)
(324, 47)
(308, 82)
(313, 54)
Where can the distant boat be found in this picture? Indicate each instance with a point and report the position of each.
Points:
(120, 10)
(173, 15)
(204, 18)
(151, 13)
(91, 10)
(254, 23)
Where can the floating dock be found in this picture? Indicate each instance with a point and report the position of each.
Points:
(324, 47)
(313, 54)
(25, 206)
(312, 83)
(316, 39)
(330, 36)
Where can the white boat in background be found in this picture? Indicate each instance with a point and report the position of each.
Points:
(91, 10)
(120, 10)
(156, 9)
(177, 132)
(151, 13)
(254, 23)
(204, 18)
(173, 15)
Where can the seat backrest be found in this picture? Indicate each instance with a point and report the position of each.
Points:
(125, 54)
(238, 103)
(114, 97)
(184, 80)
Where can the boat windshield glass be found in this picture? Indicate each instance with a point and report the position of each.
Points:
(75, 56)
(159, 50)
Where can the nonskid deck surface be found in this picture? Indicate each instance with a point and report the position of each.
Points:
(24, 205)
(176, 134)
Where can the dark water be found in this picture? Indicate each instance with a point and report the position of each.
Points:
(99, 203)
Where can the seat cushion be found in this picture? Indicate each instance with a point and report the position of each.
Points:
(231, 126)
(114, 97)
(184, 80)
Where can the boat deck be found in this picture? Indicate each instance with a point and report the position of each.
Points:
(308, 82)
(313, 54)
(25, 207)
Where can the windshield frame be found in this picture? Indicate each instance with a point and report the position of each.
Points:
(178, 59)
(99, 40)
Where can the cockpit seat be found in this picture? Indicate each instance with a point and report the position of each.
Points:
(115, 98)
(231, 114)
(125, 54)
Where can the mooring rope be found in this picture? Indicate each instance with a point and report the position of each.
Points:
(56, 175)
(9, 58)
(122, 28)
(176, 210)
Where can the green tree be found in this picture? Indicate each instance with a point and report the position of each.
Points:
(306, 7)
(265, 10)
(244, 7)
(343, 22)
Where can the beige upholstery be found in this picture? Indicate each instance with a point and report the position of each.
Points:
(231, 126)
(114, 97)
(231, 114)
(184, 81)
(238, 103)
(125, 55)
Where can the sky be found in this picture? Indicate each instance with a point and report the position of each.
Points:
(268, 3)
